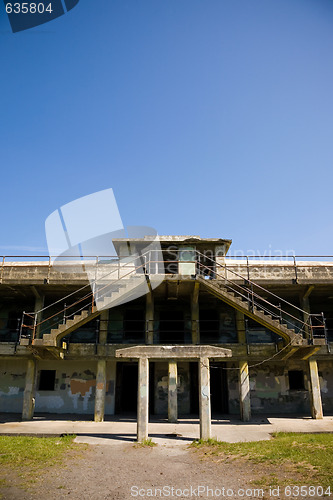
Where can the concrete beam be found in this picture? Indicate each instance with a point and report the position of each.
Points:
(30, 390)
(173, 352)
(244, 391)
(100, 390)
(314, 389)
(204, 399)
(172, 392)
(143, 400)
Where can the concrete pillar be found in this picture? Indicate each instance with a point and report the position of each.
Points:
(29, 391)
(195, 314)
(314, 389)
(112, 387)
(149, 318)
(204, 399)
(240, 326)
(100, 390)
(103, 327)
(244, 391)
(39, 304)
(172, 392)
(143, 400)
(305, 305)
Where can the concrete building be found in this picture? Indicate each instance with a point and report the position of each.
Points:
(218, 335)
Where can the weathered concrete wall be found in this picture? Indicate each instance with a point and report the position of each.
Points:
(325, 369)
(270, 391)
(161, 389)
(12, 383)
(74, 392)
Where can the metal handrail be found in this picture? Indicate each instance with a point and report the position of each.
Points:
(247, 291)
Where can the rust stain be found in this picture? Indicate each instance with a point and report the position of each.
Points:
(81, 386)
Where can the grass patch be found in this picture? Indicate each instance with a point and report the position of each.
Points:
(310, 455)
(33, 452)
(145, 442)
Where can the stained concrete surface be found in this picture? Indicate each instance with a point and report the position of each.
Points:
(123, 430)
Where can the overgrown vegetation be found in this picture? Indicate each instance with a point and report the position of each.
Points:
(311, 455)
(27, 451)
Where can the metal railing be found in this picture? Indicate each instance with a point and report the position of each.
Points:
(257, 297)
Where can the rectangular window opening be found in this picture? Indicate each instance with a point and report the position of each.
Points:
(296, 380)
(47, 380)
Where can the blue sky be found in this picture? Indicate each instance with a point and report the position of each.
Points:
(208, 117)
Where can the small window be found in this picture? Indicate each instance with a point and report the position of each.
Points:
(47, 380)
(296, 380)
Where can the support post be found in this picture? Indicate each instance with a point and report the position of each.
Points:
(29, 391)
(112, 384)
(244, 391)
(195, 314)
(172, 392)
(314, 389)
(149, 318)
(204, 399)
(143, 400)
(240, 326)
(305, 305)
(39, 304)
(103, 327)
(100, 390)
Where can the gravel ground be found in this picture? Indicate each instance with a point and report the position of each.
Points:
(124, 471)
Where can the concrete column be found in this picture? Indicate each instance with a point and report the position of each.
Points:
(204, 399)
(305, 305)
(314, 389)
(172, 392)
(149, 318)
(29, 391)
(240, 326)
(39, 304)
(112, 381)
(100, 390)
(143, 400)
(195, 314)
(103, 327)
(244, 391)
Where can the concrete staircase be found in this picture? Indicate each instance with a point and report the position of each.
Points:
(239, 300)
(108, 296)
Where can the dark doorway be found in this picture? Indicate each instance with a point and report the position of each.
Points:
(218, 388)
(172, 328)
(194, 388)
(134, 326)
(126, 387)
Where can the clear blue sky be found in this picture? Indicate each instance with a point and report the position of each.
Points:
(208, 117)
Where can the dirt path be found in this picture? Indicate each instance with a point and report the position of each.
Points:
(126, 472)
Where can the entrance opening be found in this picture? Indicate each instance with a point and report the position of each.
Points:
(194, 388)
(127, 388)
(172, 328)
(218, 388)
